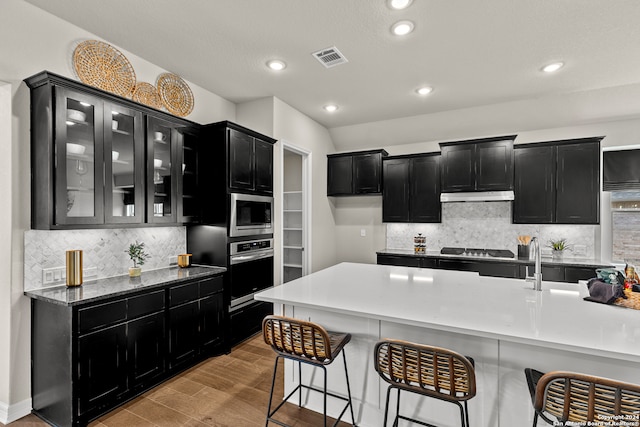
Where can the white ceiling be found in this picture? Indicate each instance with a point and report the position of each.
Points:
(472, 52)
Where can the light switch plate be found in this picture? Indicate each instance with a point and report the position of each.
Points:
(363, 232)
(579, 250)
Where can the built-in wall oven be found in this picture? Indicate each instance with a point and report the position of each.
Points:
(250, 215)
(250, 270)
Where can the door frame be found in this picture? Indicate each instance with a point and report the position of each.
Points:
(306, 206)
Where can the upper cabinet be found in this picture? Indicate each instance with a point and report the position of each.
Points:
(355, 173)
(477, 165)
(250, 163)
(411, 188)
(91, 165)
(557, 182)
(233, 159)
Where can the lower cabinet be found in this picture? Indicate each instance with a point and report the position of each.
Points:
(89, 358)
(247, 320)
(512, 270)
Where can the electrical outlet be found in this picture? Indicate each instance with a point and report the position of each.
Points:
(173, 260)
(363, 232)
(53, 275)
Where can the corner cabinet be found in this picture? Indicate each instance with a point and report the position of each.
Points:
(557, 182)
(90, 167)
(478, 165)
(356, 173)
(411, 188)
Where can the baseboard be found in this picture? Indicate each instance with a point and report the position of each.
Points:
(10, 413)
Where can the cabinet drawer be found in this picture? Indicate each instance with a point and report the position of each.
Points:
(183, 293)
(211, 286)
(99, 316)
(145, 304)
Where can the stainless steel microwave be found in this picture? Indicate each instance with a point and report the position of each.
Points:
(250, 215)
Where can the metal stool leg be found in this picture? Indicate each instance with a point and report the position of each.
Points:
(386, 407)
(273, 383)
(346, 374)
(466, 411)
(395, 422)
(300, 384)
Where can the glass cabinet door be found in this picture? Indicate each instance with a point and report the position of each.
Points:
(188, 178)
(161, 171)
(124, 165)
(79, 158)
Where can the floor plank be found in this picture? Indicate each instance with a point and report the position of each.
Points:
(226, 391)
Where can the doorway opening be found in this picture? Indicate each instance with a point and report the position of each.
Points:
(296, 212)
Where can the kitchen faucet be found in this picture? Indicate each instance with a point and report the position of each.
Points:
(537, 274)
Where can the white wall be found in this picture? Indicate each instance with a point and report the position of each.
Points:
(31, 41)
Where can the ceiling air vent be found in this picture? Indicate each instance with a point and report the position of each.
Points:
(330, 57)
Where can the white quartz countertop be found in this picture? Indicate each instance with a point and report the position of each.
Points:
(464, 302)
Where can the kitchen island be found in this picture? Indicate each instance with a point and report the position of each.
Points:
(503, 324)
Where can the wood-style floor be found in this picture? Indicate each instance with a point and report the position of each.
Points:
(230, 390)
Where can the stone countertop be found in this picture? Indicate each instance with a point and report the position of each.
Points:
(464, 302)
(565, 261)
(96, 290)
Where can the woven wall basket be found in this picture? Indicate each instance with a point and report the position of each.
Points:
(147, 94)
(103, 66)
(175, 94)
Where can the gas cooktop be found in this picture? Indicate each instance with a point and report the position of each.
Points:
(475, 252)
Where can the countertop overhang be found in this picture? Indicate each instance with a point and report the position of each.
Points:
(96, 290)
(464, 302)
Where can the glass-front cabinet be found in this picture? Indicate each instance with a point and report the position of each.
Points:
(124, 165)
(79, 158)
(99, 160)
(162, 184)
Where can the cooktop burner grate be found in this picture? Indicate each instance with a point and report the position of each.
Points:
(477, 252)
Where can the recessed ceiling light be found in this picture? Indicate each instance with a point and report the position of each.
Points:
(399, 4)
(330, 108)
(402, 28)
(551, 68)
(276, 65)
(424, 90)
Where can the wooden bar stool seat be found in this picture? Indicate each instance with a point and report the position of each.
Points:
(310, 343)
(578, 399)
(426, 370)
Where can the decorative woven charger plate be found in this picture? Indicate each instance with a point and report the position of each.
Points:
(147, 94)
(175, 94)
(632, 301)
(103, 66)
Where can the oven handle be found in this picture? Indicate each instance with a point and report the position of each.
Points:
(239, 259)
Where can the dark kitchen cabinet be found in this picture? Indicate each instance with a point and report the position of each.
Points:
(91, 357)
(196, 316)
(578, 183)
(234, 159)
(477, 165)
(411, 189)
(102, 370)
(408, 261)
(250, 163)
(557, 182)
(535, 177)
(487, 267)
(162, 171)
(89, 164)
(356, 173)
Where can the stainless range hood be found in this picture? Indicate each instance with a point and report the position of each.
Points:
(477, 196)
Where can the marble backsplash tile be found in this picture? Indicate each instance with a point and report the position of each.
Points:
(104, 249)
(486, 225)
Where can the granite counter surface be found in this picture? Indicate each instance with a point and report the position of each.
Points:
(566, 261)
(96, 290)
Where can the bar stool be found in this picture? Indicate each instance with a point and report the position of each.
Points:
(426, 370)
(578, 399)
(310, 343)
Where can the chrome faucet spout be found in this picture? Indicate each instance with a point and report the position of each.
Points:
(537, 274)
